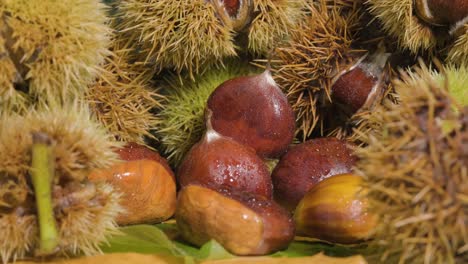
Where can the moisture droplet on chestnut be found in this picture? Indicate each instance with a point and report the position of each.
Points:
(255, 112)
(336, 210)
(146, 182)
(217, 160)
(306, 164)
(442, 12)
(243, 223)
(361, 84)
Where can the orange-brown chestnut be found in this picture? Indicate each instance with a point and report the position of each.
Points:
(146, 182)
(244, 223)
(217, 160)
(255, 112)
(336, 210)
(361, 84)
(306, 164)
(442, 12)
(133, 151)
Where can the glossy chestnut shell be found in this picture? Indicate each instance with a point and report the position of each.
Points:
(255, 112)
(306, 164)
(221, 161)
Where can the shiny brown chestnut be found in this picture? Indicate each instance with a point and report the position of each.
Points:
(146, 182)
(254, 111)
(359, 86)
(243, 223)
(442, 12)
(218, 160)
(306, 164)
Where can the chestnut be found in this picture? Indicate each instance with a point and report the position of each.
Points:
(254, 111)
(442, 12)
(217, 160)
(134, 151)
(146, 182)
(306, 164)
(243, 223)
(360, 85)
(336, 210)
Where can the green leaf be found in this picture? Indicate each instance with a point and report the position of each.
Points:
(148, 239)
(145, 239)
(213, 250)
(155, 239)
(302, 249)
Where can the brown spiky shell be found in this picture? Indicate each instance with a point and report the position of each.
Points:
(399, 19)
(179, 34)
(123, 97)
(188, 35)
(274, 22)
(50, 48)
(458, 53)
(415, 162)
(317, 52)
(84, 212)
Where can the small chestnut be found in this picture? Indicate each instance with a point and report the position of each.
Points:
(243, 223)
(237, 13)
(254, 111)
(146, 182)
(217, 160)
(336, 210)
(306, 164)
(360, 85)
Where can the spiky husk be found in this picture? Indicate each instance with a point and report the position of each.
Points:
(397, 17)
(415, 162)
(458, 53)
(19, 233)
(182, 118)
(85, 216)
(50, 48)
(274, 22)
(457, 77)
(85, 224)
(123, 97)
(317, 52)
(183, 34)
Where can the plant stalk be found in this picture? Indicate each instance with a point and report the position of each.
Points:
(42, 173)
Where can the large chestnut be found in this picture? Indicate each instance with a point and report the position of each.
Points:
(146, 182)
(243, 223)
(217, 160)
(336, 210)
(306, 164)
(254, 111)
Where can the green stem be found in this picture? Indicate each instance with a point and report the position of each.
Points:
(42, 175)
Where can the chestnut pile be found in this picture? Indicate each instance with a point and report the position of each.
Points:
(227, 193)
(226, 190)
